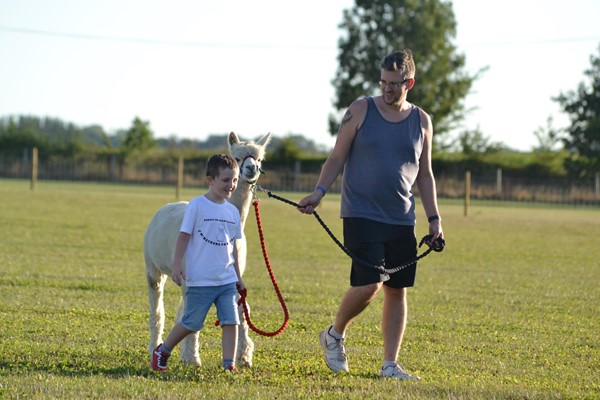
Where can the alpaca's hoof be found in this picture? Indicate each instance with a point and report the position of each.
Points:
(244, 357)
(245, 361)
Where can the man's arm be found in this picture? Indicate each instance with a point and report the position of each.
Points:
(353, 118)
(426, 181)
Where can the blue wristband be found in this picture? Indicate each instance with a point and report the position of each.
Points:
(433, 218)
(321, 188)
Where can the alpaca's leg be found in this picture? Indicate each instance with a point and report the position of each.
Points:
(156, 284)
(245, 346)
(188, 348)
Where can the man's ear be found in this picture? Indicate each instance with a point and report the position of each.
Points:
(410, 83)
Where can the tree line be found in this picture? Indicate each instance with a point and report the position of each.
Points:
(59, 140)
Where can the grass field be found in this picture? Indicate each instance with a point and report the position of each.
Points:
(511, 308)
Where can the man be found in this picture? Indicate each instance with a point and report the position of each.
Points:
(384, 146)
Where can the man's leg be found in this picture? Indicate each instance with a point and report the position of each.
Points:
(356, 299)
(362, 238)
(393, 326)
(394, 321)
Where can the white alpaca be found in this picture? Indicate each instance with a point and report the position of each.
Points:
(159, 247)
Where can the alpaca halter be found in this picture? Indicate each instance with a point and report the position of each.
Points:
(255, 164)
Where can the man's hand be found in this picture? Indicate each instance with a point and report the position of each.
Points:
(436, 234)
(308, 204)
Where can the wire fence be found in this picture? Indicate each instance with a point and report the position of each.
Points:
(483, 187)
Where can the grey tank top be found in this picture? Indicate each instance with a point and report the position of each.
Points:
(382, 167)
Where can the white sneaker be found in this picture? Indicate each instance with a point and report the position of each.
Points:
(397, 371)
(335, 352)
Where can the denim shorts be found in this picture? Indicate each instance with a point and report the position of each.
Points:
(381, 244)
(199, 299)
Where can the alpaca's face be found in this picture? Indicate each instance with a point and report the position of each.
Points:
(249, 156)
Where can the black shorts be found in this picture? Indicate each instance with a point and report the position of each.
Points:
(380, 244)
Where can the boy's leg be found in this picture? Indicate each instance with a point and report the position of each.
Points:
(198, 302)
(228, 316)
(229, 344)
(160, 355)
(175, 336)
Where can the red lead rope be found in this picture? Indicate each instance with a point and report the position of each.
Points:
(244, 293)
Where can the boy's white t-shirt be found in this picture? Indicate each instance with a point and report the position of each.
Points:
(209, 254)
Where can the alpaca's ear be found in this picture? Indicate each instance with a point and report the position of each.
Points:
(233, 138)
(265, 139)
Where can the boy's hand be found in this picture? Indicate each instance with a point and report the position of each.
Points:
(178, 274)
(240, 285)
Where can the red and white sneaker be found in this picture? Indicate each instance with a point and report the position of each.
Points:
(231, 369)
(159, 359)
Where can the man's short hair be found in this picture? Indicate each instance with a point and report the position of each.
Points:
(402, 61)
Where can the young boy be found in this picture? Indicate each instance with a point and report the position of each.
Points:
(207, 239)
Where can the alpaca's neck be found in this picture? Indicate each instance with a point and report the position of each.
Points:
(241, 198)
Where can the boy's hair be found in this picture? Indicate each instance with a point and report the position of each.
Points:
(400, 61)
(218, 162)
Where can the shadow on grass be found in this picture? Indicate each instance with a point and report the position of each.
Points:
(177, 372)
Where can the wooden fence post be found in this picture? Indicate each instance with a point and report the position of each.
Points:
(467, 192)
(297, 176)
(179, 188)
(597, 186)
(34, 168)
(499, 183)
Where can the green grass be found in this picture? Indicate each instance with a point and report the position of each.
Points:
(509, 310)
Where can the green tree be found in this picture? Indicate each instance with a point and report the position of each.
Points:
(583, 135)
(138, 138)
(51, 136)
(471, 142)
(14, 139)
(374, 28)
(548, 137)
(95, 134)
(286, 152)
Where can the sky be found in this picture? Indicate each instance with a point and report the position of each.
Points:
(193, 68)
